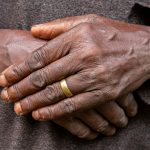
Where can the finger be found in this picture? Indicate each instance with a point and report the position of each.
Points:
(50, 95)
(41, 78)
(70, 105)
(77, 128)
(38, 59)
(54, 28)
(113, 113)
(97, 122)
(129, 104)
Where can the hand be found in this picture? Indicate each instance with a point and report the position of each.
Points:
(102, 120)
(21, 45)
(15, 45)
(106, 79)
(18, 44)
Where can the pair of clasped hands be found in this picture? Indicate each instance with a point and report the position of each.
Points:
(96, 56)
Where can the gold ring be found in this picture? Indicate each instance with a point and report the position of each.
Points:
(65, 88)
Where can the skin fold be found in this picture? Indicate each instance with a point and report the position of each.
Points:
(89, 123)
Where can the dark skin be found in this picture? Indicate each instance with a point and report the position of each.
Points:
(127, 102)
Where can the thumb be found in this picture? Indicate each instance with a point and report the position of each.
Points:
(54, 28)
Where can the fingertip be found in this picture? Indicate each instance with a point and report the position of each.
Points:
(92, 136)
(129, 104)
(35, 30)
(111, 132)
(18, 109)
(3, 80)
(133, 109)
(133, 112)
(7, 76)
(124, 122)
(4, 95)
(35, 115)
(37, 25)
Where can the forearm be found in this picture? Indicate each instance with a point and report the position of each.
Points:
(122, 25)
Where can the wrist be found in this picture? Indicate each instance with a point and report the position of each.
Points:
(142, 51)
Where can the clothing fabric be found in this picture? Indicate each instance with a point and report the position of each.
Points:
(24, 133)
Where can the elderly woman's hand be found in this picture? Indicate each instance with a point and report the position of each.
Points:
(101, 60)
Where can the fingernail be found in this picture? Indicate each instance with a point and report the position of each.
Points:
(37, 25)
(35, 115)
(4, 95)
(3, 81)
(36, 31)
(36, 28)
(33, 29)
(18, 109)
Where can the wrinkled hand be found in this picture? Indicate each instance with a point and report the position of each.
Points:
(102, 120)
(17, 45)
(98, 60)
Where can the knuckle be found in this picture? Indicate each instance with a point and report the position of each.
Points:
(14, 73)
(52, 93)
(84, 77)
(87, 57)
(115, 93)
(93, 75)
(37, 79)
(35, 61)
(85, 28)
(68, 106)
(14, 93)
(112, 94)
(17, 70)
(97, 95)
